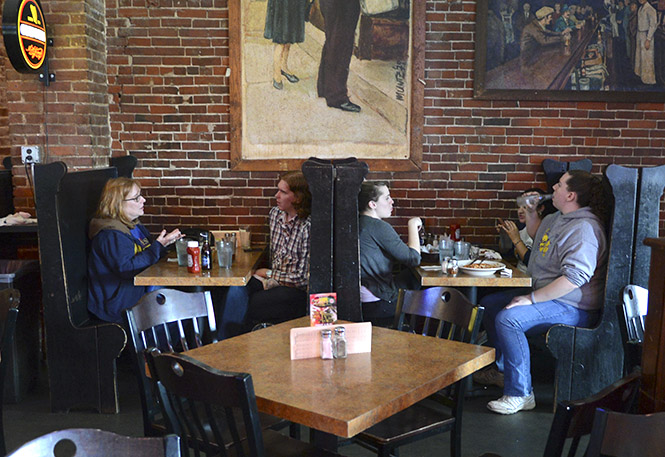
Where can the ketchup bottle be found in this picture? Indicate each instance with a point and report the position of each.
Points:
(193, 251)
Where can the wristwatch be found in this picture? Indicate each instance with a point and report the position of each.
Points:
(269, 274)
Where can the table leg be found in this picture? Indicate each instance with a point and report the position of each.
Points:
(472, 294)
(323, 440)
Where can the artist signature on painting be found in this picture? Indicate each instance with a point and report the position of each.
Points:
(400, 75)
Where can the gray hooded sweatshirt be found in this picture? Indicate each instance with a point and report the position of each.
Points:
(571, 245)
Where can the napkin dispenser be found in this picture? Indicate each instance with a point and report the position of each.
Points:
(306, 341)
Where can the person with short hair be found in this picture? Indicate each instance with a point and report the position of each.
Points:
(568, 266)
(380, 249)
(121, 248)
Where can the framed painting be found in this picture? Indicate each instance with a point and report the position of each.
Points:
(289, 104)
(592, 50)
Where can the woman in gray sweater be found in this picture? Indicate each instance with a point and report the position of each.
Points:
(380, 248)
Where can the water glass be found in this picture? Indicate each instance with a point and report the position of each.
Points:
(462, 250)
(446, 249)
(224, 253)
(181, 250)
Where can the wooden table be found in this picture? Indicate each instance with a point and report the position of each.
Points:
(341, 398)
(438, 278)
(166, 272)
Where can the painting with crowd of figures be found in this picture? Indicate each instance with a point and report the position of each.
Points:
(298, 93)
(578, 50)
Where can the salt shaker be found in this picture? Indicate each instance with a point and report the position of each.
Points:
(339, 343)
(326, 344)
(453, 268)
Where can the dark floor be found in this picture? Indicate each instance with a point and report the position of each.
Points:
(520, 435)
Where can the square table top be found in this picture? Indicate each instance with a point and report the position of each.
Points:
(344, 396)
(166, 272)
(439, 278)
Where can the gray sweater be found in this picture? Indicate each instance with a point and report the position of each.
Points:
(380, 248)
(571, 245)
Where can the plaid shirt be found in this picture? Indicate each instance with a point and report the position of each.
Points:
(289, 249)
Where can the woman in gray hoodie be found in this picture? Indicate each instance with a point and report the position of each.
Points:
(568, 264)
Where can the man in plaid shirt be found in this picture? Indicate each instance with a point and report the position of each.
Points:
(278, 293)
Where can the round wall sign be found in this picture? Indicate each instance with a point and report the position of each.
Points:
(24, 32)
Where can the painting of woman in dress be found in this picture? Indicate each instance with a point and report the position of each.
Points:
(285, 25)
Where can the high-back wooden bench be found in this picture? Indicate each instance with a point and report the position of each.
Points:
(589, 359)
(81, 350)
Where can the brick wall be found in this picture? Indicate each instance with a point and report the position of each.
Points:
(168, 104)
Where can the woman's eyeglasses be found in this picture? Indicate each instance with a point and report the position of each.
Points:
(135, 199)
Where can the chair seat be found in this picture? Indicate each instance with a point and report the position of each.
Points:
(417, 420)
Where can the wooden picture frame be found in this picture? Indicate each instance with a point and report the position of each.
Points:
(594, 66)
(277, 130)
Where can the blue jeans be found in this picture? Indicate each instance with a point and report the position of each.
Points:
(507, 330)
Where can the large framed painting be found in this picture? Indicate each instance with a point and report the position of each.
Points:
(288, 103)
(602, 50)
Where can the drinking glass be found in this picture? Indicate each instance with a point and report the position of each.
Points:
(446, 249)
(224, 253)
(181, 250)
(462, 250)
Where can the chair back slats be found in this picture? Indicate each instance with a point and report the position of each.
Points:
(209, 405)
(443, 312)
(172, 321)
(573, 419)
(84, 442)
(627, 435)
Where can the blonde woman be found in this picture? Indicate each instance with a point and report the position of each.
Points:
(121, 248)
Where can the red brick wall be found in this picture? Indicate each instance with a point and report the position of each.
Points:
(168, 104)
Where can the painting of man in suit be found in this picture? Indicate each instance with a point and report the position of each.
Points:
(338, 95)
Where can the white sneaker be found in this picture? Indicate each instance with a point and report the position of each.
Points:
(511, 405)
(489, 377)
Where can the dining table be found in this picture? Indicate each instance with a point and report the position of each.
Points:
(167, 272)
(433, 275)
(343, 397)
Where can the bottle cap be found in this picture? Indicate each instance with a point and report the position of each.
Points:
(339, 330)
(192, 244)
(326, 332)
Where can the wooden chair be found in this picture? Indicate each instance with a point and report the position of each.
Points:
(206, 406)
(554, 169)
(85, 442)
(172, 321)
(444, 313)
(9, 301)
(627, 435)
(81, 350)
(588, 359)
(573, 420)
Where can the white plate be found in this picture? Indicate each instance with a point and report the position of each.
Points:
(491, 267)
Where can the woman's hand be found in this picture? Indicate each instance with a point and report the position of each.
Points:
(511, 230)
(263, 272)
(520, 300)
(166, 239)
(415, 222)
(414, 225)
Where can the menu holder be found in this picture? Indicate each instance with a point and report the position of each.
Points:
(306, 341)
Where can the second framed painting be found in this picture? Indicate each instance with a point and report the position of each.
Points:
(603, 50)
(299, 92)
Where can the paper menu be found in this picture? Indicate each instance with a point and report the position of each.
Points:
(306, 341)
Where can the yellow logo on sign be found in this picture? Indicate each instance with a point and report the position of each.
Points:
(34, 16)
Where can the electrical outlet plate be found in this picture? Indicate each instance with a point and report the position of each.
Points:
(30, 154)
